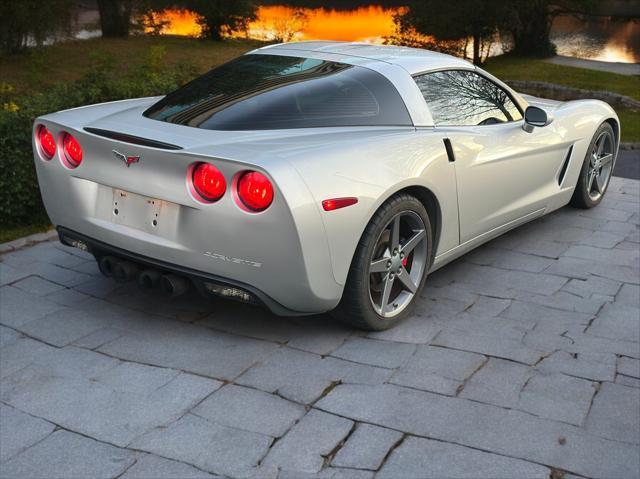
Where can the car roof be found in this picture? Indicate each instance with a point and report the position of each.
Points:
(413, 60)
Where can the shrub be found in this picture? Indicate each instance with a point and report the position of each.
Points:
(19, 194)
(20, 201)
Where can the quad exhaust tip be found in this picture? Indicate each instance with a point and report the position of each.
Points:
(124, 271)
(106, 264)
(173, 286)
(149, 280)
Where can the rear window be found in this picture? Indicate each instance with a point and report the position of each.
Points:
(258, 92)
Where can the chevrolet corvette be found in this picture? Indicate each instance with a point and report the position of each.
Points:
(316, 176)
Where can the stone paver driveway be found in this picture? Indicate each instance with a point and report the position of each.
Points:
(523, 360)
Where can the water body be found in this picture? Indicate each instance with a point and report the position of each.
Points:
(594, 38)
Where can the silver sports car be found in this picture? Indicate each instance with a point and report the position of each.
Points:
(316, 176)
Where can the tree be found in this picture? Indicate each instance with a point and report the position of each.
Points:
(31, 22)
(115, 17)
(220, 16)
(529, 23)
(457, 21)
(285, 29)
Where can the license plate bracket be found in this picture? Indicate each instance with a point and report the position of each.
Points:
(137, 211)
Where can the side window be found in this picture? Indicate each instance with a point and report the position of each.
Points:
(464, 98)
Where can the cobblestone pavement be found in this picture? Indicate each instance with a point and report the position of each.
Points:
(628, 164)
(522, 360)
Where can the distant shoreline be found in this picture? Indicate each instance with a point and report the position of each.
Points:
(612, 67)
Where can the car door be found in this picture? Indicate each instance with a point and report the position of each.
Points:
(503, 173)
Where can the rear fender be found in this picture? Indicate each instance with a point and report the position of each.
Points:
(373, 171)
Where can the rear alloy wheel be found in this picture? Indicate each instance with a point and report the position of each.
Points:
(398, 263)
(596, 170)
(389, 267)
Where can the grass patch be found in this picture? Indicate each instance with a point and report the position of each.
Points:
(50, 78)
(69, 61)
(507, 67)
(10, 233)
(630, 121)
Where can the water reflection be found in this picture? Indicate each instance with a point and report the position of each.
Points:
(283, 23)
(364, 24)
(597, 38)
(173, 22)
(603, 38)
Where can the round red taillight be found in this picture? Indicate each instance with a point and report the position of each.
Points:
(208, 182)
(255, 191)
(72, 151)
(46, 141)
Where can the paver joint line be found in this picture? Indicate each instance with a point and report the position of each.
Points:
(522, 360)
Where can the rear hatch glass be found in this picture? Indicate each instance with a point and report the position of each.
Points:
(257, 92)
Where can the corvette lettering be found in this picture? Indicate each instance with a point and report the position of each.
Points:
(230, 259)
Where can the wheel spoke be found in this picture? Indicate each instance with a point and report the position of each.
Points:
(606, 159)
(395, 233)
(592, 176)
(414, 241)
(406, 281)
(600, 144)
(599, 183)
(378, 265)
(386, 292)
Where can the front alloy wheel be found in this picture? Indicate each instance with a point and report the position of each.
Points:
(600, 164)
(596, 169)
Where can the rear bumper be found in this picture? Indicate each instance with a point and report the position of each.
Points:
(282, 252)
(199, 278)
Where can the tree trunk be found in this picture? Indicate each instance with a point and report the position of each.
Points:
(531, 36)
(115, 17)
(212, 30)
(477, 60)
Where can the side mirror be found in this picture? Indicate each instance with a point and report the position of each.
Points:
(535, 117)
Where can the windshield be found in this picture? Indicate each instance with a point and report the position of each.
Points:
(257, 92)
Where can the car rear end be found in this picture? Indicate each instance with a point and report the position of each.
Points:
(203, 182)
(155, 204)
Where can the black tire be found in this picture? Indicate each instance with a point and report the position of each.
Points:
(356, 307)
(581, 198)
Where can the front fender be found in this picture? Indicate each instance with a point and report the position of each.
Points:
(577, 121)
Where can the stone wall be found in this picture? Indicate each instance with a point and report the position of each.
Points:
(565, 93)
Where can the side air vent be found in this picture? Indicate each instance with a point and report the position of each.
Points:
(135, 140)
(565, 165)
(449, 148)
